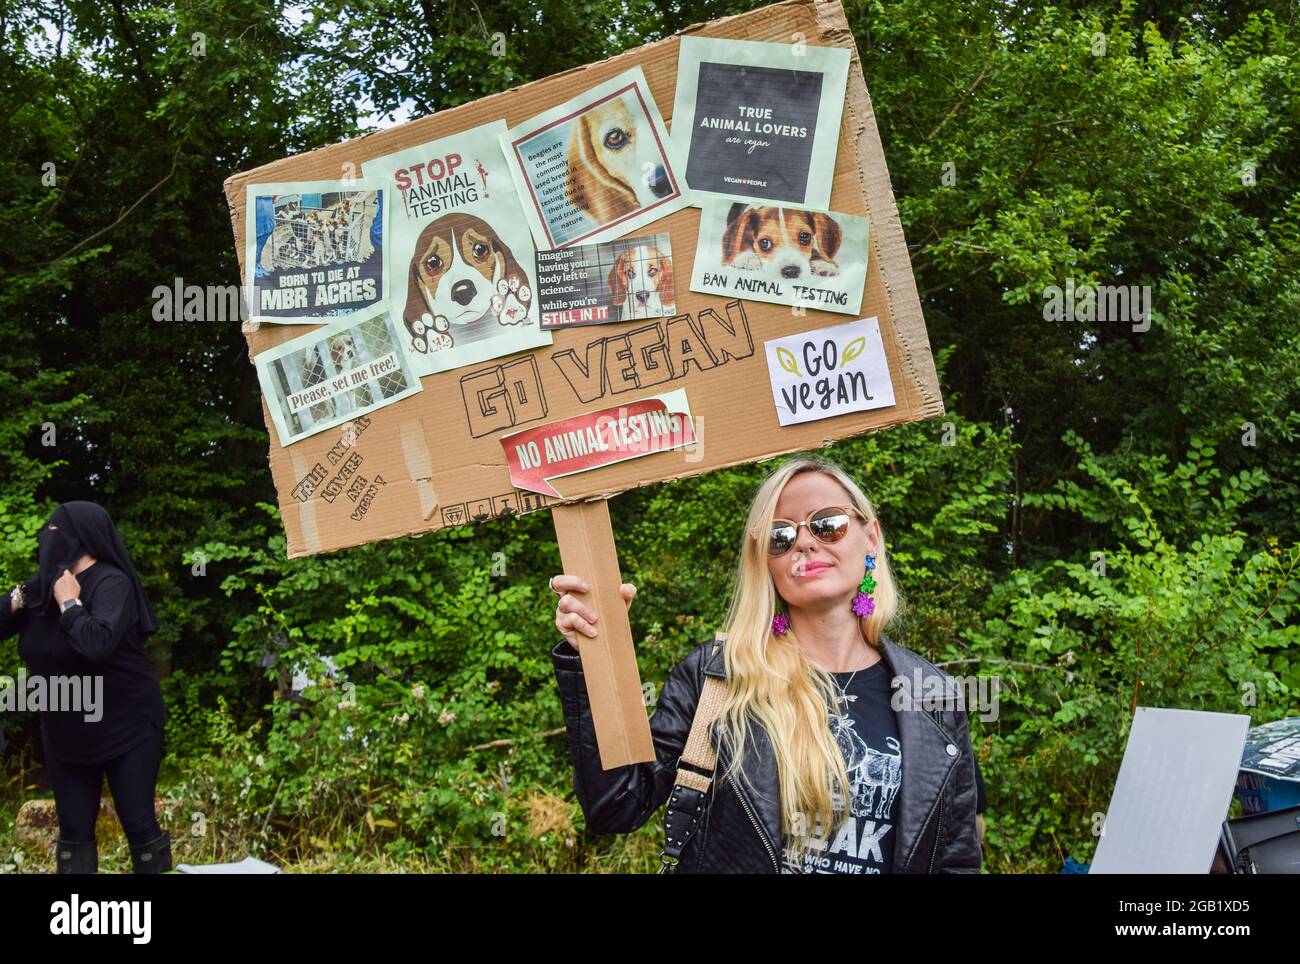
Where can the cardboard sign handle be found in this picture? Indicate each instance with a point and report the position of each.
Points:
(586, 541)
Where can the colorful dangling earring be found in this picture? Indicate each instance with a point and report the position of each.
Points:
(863, 604)
(780, 622)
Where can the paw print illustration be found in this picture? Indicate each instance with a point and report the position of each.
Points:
(430, 334)
(516, 300)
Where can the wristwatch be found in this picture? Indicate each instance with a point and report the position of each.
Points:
(69, 603)
(18, 598)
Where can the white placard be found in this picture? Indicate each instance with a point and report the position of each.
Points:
(1172, 793)
(829, 371)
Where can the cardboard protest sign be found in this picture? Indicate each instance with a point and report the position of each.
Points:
(783, 255)
(590, 284)
(597, 166)
(443, 453)
(463, 271)
(316, 250)
(759, 121)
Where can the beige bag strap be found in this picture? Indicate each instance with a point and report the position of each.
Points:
(700, 751)
(690, 788)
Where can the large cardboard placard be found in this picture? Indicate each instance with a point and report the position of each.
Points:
(440, 450)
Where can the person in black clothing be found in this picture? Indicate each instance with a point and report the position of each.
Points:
(85, 614)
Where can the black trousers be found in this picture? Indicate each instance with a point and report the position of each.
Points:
(133, 779)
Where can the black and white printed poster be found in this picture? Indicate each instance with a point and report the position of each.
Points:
(759, 120)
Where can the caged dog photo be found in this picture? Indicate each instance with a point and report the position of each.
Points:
(326, 360)
(330, 355)
(333, 231)
(641, 283)
(783, 242)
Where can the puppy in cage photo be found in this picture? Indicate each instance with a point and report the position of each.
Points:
(593, 284)
(315, 250)
(335, 373)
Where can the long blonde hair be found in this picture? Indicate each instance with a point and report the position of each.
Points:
(769, 680)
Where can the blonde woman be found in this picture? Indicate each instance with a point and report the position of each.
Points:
(809, 708)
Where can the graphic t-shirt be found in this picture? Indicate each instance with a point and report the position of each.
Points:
(867, 734)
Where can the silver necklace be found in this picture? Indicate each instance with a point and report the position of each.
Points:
(844, 690)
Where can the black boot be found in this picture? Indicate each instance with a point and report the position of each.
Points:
(154, 857)
(76, 858)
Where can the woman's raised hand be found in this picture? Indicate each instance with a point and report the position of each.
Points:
(573, 617)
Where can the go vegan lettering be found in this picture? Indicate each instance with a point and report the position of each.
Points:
(836, 387)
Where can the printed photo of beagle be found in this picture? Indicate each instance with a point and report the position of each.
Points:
(313, 370)
(464, 283)
(615, 164)
(343, 352)
(345, 357)
(782, 242)
(641, 283)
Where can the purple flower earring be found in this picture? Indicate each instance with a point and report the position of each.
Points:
(780, 622)
(863, 604)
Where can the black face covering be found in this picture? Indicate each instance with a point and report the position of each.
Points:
(59, 550)
(85, 527)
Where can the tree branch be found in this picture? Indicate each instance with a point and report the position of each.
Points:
(960, 100)
(120, 218)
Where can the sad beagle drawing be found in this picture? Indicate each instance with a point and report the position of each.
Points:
(464, 284)
(615, 163)
(783, 242)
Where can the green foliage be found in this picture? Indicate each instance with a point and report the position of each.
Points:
(1104, 519)
(1199, 622)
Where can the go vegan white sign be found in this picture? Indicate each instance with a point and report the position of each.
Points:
(829, 371)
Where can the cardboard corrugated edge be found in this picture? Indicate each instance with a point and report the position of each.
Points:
(886, 225)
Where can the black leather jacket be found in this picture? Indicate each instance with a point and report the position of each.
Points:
(740, 830)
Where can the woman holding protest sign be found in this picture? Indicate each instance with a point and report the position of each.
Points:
(83, 618)
(795, 726)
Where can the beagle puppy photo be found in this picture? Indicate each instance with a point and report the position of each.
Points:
(641, 283)
(615, 165)
(782, 242)
(315, 237)
(343, 352)
(344, 357)
(464, 284)
(313, 370)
